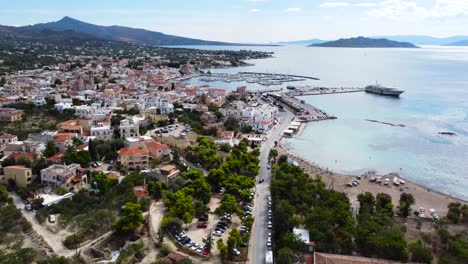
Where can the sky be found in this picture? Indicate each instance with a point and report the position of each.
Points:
(254, 21)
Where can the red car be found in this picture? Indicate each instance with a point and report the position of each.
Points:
(202, 225)
(204, 253)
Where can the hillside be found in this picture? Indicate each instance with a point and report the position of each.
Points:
(362, 42)
(424, 40)
(120, 33)
(459, 43)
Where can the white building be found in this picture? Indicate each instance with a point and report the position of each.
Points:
(66, 176)
(83, 110)
(162, 104)
(101, 131)
(128, 128)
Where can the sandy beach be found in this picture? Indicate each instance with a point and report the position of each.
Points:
(424, 197)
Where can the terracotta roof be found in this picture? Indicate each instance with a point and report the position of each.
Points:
(56, 157)
(7, 136)
(176, 256)
(19, 155)
(61, 137)
(76, 179)
(114, 176)
(67, 123)
(71, 127)
(156, 145)
(141, 191)
(132, 151)
(17, 167)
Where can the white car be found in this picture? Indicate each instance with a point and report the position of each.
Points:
(217, 233)
(52, 218)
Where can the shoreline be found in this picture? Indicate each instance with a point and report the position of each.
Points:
(424, 196)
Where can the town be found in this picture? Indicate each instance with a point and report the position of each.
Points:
(109, 155)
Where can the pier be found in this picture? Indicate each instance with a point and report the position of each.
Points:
(285, 75)
(312, 90)
(304, 111)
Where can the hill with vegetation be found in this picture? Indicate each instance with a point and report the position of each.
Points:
(362, 42)
(120, 33)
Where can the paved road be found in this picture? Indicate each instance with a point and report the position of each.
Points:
(257, 246)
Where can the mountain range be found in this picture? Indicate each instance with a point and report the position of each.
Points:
(70, 27)
(362, 42)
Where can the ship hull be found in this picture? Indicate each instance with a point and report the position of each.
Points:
(393, 93)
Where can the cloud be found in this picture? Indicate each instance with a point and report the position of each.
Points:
(254, 10)
(334, 4)
(293, 9)
(346, 4)
(398, 9)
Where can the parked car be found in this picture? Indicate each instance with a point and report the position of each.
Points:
(52, 218)
(217, 233)
(202, 225)
(28, 207)
(236, 252)
(203, 218)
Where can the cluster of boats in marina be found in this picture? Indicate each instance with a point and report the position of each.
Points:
(265, 79)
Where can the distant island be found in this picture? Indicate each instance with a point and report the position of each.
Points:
(459, 43)
(362, 42)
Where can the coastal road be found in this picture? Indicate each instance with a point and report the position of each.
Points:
(257, 245)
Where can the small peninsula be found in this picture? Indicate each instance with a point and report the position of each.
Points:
(362, 42)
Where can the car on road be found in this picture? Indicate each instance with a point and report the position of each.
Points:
(261, 181)
(268, 167)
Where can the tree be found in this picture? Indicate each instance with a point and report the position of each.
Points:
(222, 248)
(285, 256)
(366, 203)
(231, 124)
(155, 189)
(187, 218)
(228, 205)
(92, 150)
(4, 198)
(50, 149)
(406, 200)
(419, 253)
(208, 241)
(455, 212)
(101, 183)
(282, 159)
(273, 154)
(132, 217)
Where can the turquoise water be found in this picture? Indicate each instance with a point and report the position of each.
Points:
(436, 99)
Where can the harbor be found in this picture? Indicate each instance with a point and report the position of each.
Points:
(265, 79)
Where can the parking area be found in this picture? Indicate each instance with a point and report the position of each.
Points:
(218, 226)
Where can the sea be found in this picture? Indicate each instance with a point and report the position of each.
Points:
(435, 80)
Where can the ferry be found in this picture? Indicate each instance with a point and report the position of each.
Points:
(378, 89)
